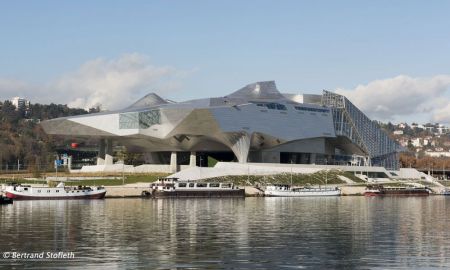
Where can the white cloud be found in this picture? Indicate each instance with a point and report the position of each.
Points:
(403, 96)
(11, 88)
(442, 115)
(114, 83)
(111, 83)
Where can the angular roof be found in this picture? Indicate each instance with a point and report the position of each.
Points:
(258, 90)
(149, 100)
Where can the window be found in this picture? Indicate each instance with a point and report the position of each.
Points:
(149, 118)
(48, 190)
(129, 120)
(191, 184)
(202, 185)
(39, 191)
(182, 185)
(57, 191)
(215, 185)
(143, 120)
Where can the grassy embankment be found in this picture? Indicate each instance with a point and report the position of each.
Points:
(129, 179)
(445, 183)
(242, 180)
(297, 179)
(314, 179)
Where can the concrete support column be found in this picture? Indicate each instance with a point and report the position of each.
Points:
(69, 163)
(101, 152)
(193, 159)
(313, 158)
(108, 152)
(173, 162)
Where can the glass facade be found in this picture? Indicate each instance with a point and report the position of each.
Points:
(350, 122)
(139, 120)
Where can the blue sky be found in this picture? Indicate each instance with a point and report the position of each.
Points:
(210, 48)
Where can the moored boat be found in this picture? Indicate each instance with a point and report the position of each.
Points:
(380, 190)
(60, 192)
(288, 191)
(171, 187)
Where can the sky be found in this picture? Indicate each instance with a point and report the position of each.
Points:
(390, 58)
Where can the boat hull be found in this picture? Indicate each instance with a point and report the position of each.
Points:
(302, 193)
(236, 193)
(398, 193)
(15, 196)
(371, 194)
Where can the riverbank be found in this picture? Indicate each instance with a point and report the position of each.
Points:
(134, 185)
(129, 191)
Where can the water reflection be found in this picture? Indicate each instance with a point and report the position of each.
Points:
(270, 233)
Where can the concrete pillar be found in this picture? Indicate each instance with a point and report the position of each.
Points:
(173, 162)
(313, 158)
(108, 152)
(69, 163)
(101, 152)
(109, 160)
(100, 161)
(193, 159)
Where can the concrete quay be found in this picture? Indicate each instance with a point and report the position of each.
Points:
(135, 190)
(126, 191)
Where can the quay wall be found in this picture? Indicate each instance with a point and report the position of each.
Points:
(352, 190)
(124, 191)
(136, 191)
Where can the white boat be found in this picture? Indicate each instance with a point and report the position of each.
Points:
(171, 187)
(288, 191)
(60, 192)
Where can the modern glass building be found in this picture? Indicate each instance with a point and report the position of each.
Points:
(256, 123)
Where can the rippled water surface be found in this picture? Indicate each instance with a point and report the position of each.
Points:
(256, 233)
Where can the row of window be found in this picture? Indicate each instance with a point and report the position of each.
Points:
(298, 108)
(204, 185)
(48, 191)
(281, 107)
(272, 106)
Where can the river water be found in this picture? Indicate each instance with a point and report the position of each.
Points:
(250, 233)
